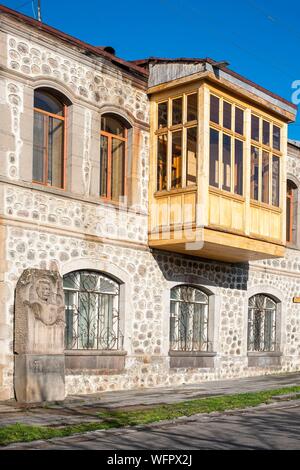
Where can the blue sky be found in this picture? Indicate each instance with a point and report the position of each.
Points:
(259, 38)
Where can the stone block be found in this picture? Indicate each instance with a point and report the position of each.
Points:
(39, 378)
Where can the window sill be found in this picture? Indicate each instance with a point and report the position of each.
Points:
(192, 359)
(264, 359)
(95, 360)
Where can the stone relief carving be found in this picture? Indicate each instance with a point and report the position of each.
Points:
(46, 305)
(39, 306)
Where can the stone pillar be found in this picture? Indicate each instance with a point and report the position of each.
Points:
(39, 337)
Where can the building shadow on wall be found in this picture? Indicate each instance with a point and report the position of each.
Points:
(209, 273)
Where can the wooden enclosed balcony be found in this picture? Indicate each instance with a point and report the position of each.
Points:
(217, 177)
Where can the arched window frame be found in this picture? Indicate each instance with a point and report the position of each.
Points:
(262, 334)
(65, 102)
(107, 194)
(107, 338)
(189, 333)
(292, 212)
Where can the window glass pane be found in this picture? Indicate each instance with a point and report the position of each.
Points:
(103, 165)
(265, 177)
(276, 137)
(55, 152)
(214, 158)
(227, 113)
(48, 103)
(226, 162)
(191, 156)
(266, 133)
(255, 128)
(117, 169)
(254, 173)
(162, 114)
(238, 167)
(112, 125)
(192, 107)
(176, 160)
(275, 181)
(214, 109)
(239, 121)
(176, 111)
(39, 148)
(162, 145)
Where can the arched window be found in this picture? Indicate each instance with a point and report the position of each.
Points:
(113, 157)
(189, 319)
(262, 312)
(92, 311)
(49, 138)
(291, 212)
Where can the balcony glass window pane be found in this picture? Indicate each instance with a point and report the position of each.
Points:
(176, 160)
(214, 158)
(276, 137)
(266, 133)
(226, 162)
(162, 115)
(254, 173)
(239, 121)
(227, 114)
(162, 146)
(214, 109)
(275, 180)
(192, 107)
(238, 167)
(103, 165)
(265, 177)
(55, 152)
(39, 148)
(191, 156)
(176, 111)
(255, 128)
(117, 169)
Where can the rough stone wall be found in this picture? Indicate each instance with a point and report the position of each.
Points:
(44, 229)
(97, 86)
(148, 277)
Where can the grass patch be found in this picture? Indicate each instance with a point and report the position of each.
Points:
(118, 418)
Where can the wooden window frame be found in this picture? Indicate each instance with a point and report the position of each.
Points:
(45, 156)
(233, 137)
(272, 152)
(168, 131)
(111, 136)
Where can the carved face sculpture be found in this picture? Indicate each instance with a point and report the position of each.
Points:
(44, 290)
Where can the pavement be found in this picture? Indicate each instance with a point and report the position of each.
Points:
(267, 427)
(79, 409)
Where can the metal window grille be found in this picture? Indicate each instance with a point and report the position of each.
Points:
(92, 311)
(262, 324)
(188, 319)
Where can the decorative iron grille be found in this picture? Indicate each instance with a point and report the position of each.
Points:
(262, 324)
(189, 319)
(92, 311)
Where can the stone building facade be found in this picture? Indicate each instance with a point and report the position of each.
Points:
(72, 229)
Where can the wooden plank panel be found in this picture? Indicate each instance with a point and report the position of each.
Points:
(163, 211)
(225, 212)
(238, 220)
(189, 208)
(214, 209)
(176, 209)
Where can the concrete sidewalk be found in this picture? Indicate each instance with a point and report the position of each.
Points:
(80, 409)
